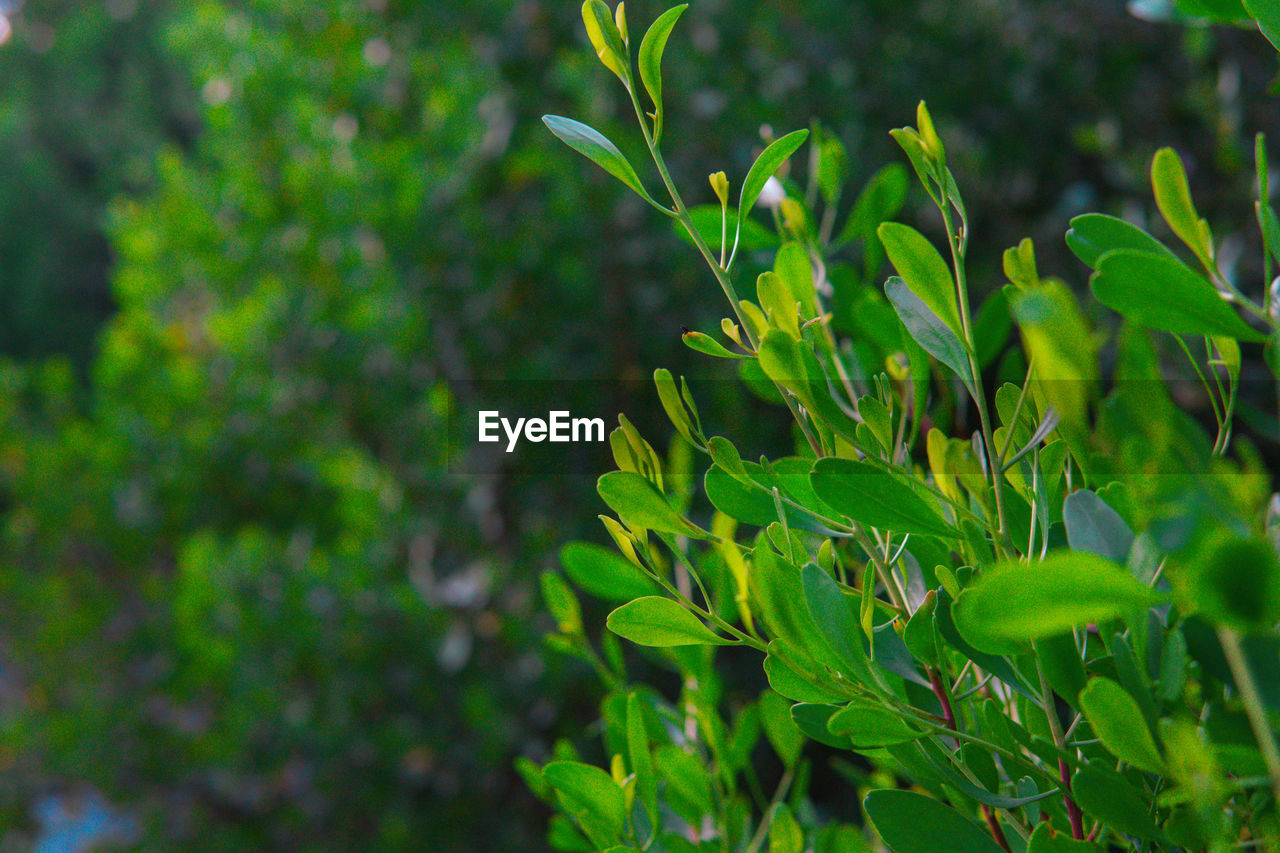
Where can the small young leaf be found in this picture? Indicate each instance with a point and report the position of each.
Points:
(594, 146)
(657, 621)
(1163, 293)
(923, 270)
(873, 496)
(1013, 602)
(562, 603)
(1117, 721)
(640, 505)
(913, 823)
(785, 835)
(650, 61)
(1173, 197)
(765, 165)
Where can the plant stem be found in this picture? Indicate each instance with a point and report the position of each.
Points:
(1253, 706)
(1064, 772)
(1003, 543)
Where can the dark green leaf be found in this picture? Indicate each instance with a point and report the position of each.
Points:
(1095, 527)
(870, 495)
(1106, 796)
(1044, 840)
(913, 823)
(1094, 234)
(869, 726)
(1267, 14)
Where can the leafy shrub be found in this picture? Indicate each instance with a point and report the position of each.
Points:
(1038, 616)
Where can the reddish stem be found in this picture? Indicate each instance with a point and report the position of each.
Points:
(1073, 811)
(996, 832)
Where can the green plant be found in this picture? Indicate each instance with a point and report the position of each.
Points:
(1051, 627)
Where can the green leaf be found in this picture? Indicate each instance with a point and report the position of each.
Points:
(584, 788)
(870, 495)
(1234, 582)
(1267, 14)
(869, 726)
(1106, 796)
(931, 333)
(751, 502)
(1094, 234)
(835, 615)
(881, 199)
(779, 728)
(1014, 602)
(1163, 293)
(769, 161)
(562, 603)
(669, 396)
(1063, 669)
(594, 146)
(650, 61)
(923, 270)
(640, 505)
(657, 621)
(1118, 722)
(603, 572)
(1173, 197)
(913, 823)
(792, 364)
(785, 835)
(812, 719)
(688, 782)
(1095, 527)
(641, 757)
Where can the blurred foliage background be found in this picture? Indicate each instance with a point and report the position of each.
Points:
(252, 250)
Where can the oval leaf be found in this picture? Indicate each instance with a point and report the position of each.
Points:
(657, 621)
(913, 823)
(1015, 602)
(871, 726)
(1095, 527)
(1094, 234)
(584, 788)
(873, 496)
(1173, 197)
(1118, 722)
(1163, 293)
